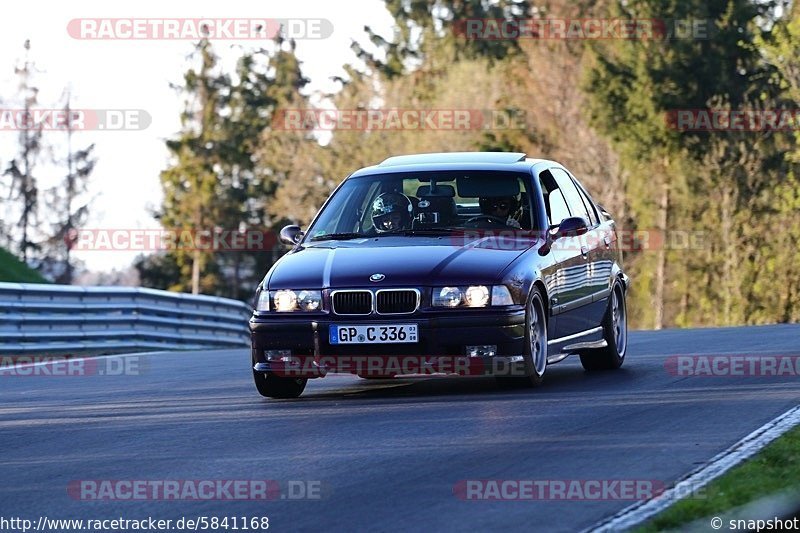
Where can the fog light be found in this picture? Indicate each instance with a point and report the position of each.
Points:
(489, 350)
(278, 355)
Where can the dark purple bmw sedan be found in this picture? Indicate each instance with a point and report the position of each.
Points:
(482, 263)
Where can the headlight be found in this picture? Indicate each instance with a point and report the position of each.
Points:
(287, 300)
(472, 296)
(447, 297)
(309, 300)
(478, 296)
(263, 301)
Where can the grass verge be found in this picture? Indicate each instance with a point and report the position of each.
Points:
(774, 469)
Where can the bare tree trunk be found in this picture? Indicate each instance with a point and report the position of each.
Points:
(729, 264)
(70, 195)
(196, 256)
(196, 272)
(199, 219)
(661, 264)
(27, 185)
(684, 302)
(26, 191)
(237, 274)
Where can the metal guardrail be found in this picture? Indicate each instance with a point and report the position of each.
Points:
(65, 319)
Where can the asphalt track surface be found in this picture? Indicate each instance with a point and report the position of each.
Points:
(387, 454)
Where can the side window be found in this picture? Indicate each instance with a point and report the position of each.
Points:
(594, 218)
(571, 194)
(554, 201)
(558, 207)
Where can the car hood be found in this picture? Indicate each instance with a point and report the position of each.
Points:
(404, 261)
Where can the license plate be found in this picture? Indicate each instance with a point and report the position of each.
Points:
(382, 334)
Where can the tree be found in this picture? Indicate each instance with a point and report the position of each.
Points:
(190, 183)
(223, 176)
(21, 168)
(241, 185)
(290, 186)
(158, 271)
(422, 26)
(779, 252)
(67, 203)
(634, 84)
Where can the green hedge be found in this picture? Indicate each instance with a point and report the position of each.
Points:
(14, 270)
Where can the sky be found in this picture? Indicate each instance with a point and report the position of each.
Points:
(136, 74)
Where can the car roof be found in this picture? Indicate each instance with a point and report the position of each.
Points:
(501, 158)
(498, 161)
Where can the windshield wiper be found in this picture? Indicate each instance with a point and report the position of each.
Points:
(339, 237)
(429, 231)
(417, 231)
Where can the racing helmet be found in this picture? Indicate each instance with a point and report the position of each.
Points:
(391, 211)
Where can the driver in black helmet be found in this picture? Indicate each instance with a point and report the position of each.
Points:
(392, 211)
(502, 208)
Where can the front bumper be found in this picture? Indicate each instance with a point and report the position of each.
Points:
(443, 339)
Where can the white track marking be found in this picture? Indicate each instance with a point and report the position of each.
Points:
(718, 465)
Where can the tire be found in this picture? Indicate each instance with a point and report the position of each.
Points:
(535, 345)
(271, 386)
(615, 333)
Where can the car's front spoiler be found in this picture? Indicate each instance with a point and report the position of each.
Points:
(390, 366)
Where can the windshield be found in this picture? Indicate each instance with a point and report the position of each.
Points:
(426, 202)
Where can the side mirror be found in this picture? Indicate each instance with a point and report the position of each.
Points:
(572, 227)
(291, 235)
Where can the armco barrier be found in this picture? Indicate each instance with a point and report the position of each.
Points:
(65, 319)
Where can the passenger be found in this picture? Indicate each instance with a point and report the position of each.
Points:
(501, 208)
